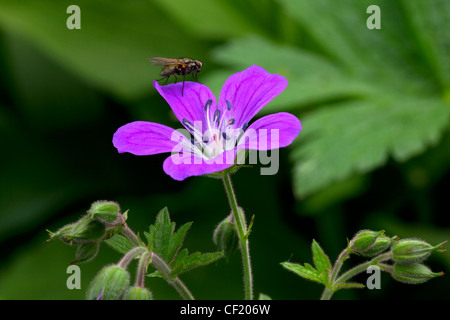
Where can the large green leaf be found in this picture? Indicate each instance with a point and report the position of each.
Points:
(209, 19)
(311, 78)
(379, 98)
(429, 21)
(355, 137)
(321, 261)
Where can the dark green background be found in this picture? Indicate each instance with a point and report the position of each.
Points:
(374, 151)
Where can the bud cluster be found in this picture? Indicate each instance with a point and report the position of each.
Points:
(113, 281)
(407, 254)
(370, 243)
(103, 220)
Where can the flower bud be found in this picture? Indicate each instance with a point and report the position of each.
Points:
(106, 212)
(108, 284)
(364, 240)
(381, 244)
(415, 273)
(83, 231)
(137, 293)
(407, 251)
(225, 236)
(86, 252)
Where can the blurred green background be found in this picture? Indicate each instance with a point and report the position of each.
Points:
(374, 151)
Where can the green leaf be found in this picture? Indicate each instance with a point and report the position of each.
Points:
(429, 22)
(164, 241)
(371, 94)
(381, 55)
(119, 243)
(160, 234)
(306, 272)
(185, 261)
(176, 241)
(321, 260)
(311, 78)
(359, 136)
(318, 274)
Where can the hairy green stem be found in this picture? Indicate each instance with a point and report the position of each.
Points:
(328, 292)
(176, 283)
(363, 266)
(339, 263)
(130, 256)
(242, 233)
(142, 270)
(128, 233)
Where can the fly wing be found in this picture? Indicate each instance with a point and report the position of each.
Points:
(158, 61)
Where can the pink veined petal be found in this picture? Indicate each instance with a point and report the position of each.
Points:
(190, 105)
(184, 165)
(249, 91)
(274, 131)
(144, 138)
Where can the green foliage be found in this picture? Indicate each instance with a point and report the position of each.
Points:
(185, 261)
(393, 107)
(164, 241)
(409, 271)
(322, 265)
(321, 261)
(307, 271)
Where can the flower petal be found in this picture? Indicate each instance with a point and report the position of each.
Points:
(274, 131)
(144, 138)
(184, 165)
(190, 105)
(249, 91)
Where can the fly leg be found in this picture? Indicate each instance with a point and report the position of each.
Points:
(182, 90)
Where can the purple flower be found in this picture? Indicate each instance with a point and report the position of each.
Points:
(217, 131)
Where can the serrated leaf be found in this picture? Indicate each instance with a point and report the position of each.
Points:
(395, 104)
(160, 234)
(430, 25)
(321, 260)
(185, 262)
(357, 137)
(311, 78)
(304, 272)
(176, 241)
(119, 243)
(166, 243)
(310, 267)
(381, 55)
